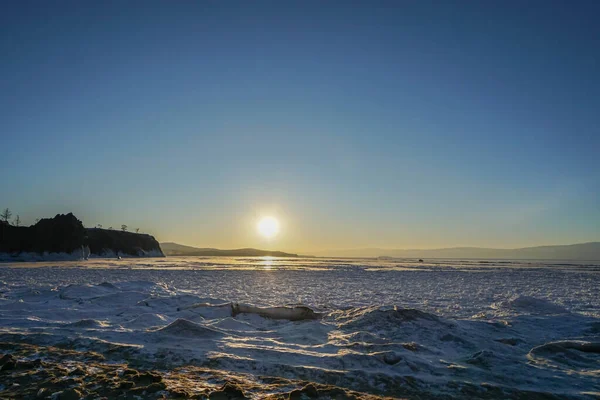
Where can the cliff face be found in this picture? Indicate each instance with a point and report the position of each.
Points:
(104, 242)
(61, 234)
(65, 237)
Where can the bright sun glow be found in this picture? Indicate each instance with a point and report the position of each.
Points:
(268, 227)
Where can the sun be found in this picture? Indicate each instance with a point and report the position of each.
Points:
(268, 227)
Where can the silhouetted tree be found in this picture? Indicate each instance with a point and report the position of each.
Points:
(124, 228)
(6, 214)
(18, 220)
(99, 226)
(110, 228)
(137, 230)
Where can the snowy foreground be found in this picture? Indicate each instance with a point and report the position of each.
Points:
(396, 328)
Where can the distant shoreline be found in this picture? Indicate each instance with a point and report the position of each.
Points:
(232, 253)
(179, 250)
(579, 251)
(507, 260)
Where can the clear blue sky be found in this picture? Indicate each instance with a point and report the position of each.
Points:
(405, 124)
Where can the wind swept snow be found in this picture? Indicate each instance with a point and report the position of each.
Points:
(447, 329)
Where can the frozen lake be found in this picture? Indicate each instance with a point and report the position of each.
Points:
(397, 328)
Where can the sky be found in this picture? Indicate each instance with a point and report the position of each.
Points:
(400, 124)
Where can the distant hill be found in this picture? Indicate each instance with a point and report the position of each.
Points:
(581, 251)
(175, 249)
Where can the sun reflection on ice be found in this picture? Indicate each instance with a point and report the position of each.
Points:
(267, 262)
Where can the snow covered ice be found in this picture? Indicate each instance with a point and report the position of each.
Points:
(443, 329)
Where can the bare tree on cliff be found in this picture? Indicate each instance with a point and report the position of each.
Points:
(137, 230)
(18, 220)
(6, 214)
(124, 228)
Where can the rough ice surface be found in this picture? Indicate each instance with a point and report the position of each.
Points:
(30, 257)
(394, 327)
(77, 255)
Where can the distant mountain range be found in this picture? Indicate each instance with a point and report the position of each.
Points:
(581, 251)
(174, 249)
